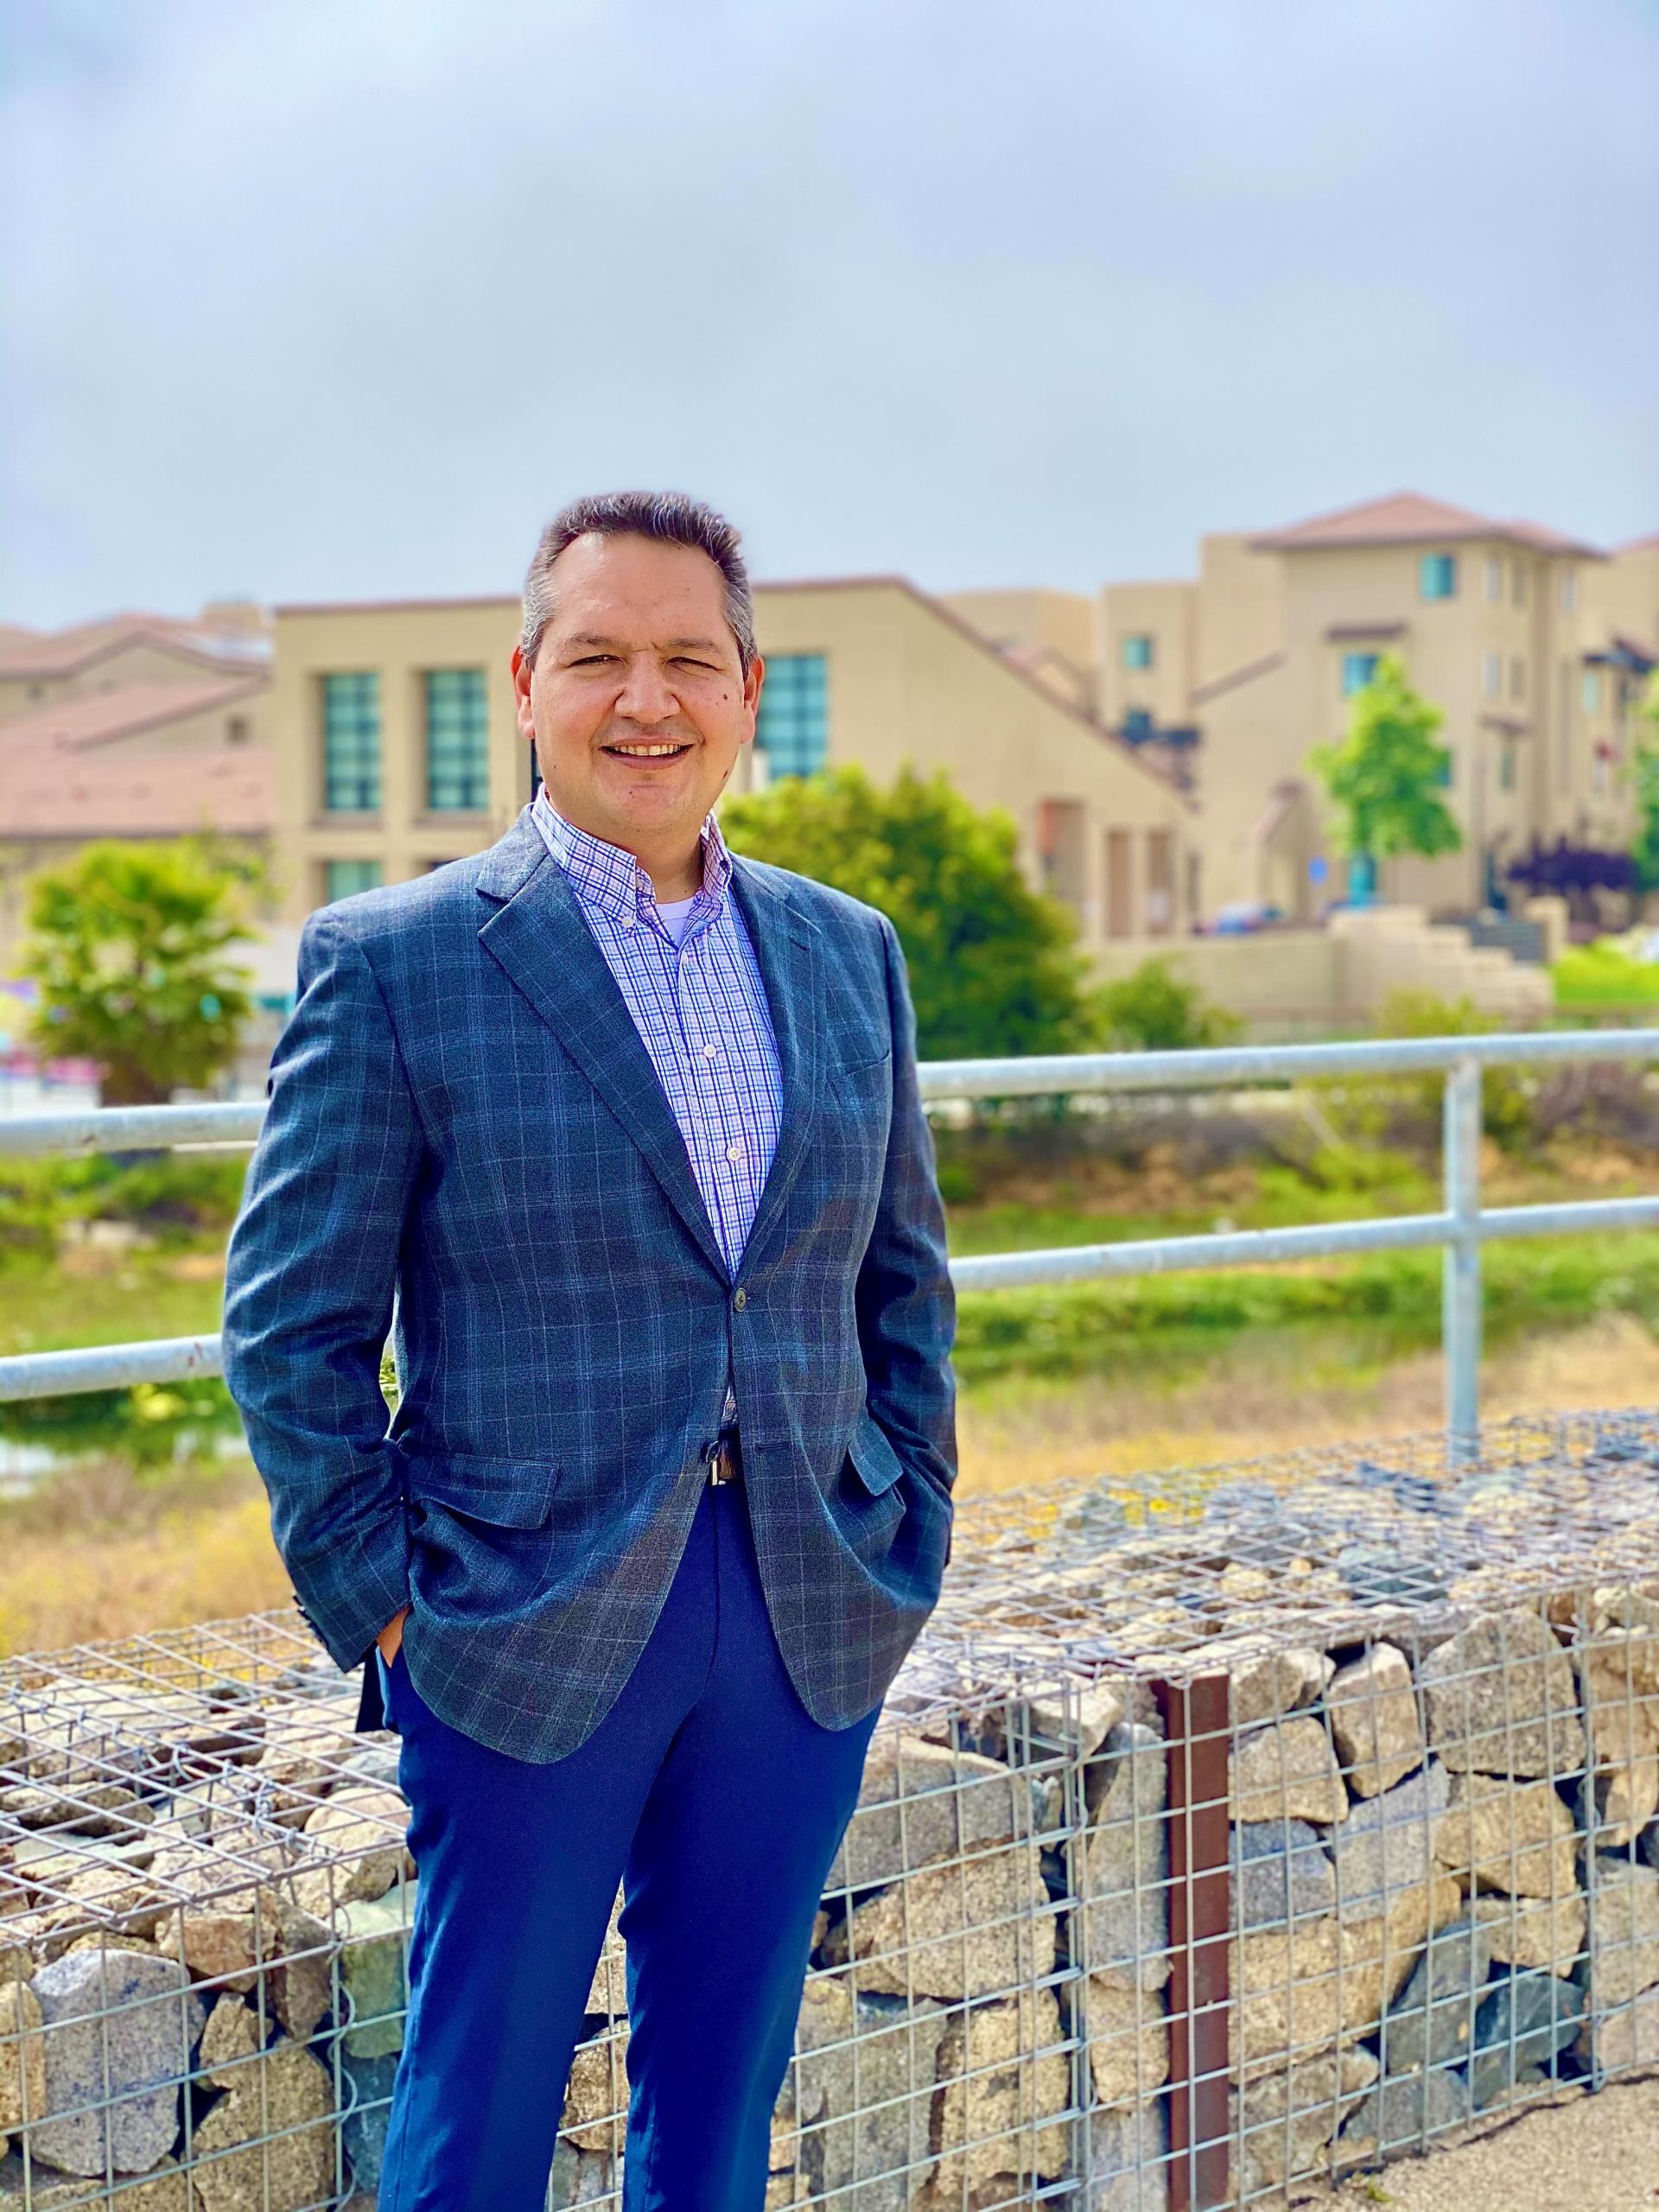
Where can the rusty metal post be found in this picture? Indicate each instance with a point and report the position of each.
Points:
(1197, 1743)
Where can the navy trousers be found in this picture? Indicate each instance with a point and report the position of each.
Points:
(718, 1801)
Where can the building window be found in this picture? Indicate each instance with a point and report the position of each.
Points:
(1437, 576)
(1564, 732)
(1506, 767)
(792, 728)
(1517, 676)
(343, 877)
(1494, 576)
(1591, 691)
(236, 730)
(457, 742)
(1357, 670)
(1491, 677)
(1140, 649)
(351, 743)
(1598, 771)
(1518, 584)
(1447, 768)
(1569, 590)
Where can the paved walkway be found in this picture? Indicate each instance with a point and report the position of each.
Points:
(1581, 2154)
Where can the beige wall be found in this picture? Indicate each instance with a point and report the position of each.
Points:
(400, 644)
(1240, 596)
(905, 681)
(1165, 612)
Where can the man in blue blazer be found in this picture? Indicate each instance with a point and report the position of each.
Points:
(620, 1136)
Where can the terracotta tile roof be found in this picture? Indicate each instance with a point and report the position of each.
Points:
(90, 718)
(67, 652)
(1411, 518)
(1648, 544)
(140, 790)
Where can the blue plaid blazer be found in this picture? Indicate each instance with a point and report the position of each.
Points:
(467, 1145)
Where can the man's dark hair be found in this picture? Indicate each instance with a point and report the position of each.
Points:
(673, 518)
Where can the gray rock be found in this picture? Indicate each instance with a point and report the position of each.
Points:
(119, 2030)
(1387, 1844)
(1434, 2022)
(919, 1801)
(1125, 1914)
(1280, 1872)
(1127, 2152)
(362, 2129)
(1373, 1712)
(1404, 2110)
(886, 2078)
(374, 1970)
(1501, 1698)
(1526, 2021)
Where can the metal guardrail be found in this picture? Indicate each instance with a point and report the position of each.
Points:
(1460, 1228)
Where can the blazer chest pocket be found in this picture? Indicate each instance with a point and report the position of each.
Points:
(505, 1493)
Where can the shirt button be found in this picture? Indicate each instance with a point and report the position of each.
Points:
(735, 1151)
(711, 1051)
(740, 1299)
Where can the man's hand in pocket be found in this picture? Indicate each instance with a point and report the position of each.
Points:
(392, 1635)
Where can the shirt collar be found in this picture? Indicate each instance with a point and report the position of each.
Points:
(610, 877)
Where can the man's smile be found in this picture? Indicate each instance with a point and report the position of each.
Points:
(643, 749)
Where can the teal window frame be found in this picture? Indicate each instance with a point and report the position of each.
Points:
(1437, 576)
(1140, 649)
(457, 742)
(1357, 670)
(792, 728)
(350, 742)
(1589, 691)
(343, 879)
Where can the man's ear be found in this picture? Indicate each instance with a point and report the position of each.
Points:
(521, 676)
(751, 683)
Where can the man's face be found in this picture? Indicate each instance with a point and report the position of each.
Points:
(638, 701)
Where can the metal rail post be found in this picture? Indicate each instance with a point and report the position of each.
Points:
(1460, 1278)
(1197, 1716)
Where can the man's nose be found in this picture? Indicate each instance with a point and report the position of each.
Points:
(646, 695)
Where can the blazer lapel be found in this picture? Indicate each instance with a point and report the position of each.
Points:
(539, 937)
(787, 948)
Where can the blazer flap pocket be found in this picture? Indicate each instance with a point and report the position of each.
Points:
(511, 1493)
(878, 1465)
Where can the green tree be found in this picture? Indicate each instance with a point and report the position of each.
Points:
(1156, 1009)
(128, 944)
(1383, 777)
(993, 965)
(1645, 770)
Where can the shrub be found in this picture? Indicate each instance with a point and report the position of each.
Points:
(1407, 1111)
(1157, 1010)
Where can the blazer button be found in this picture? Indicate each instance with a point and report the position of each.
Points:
(740, 1299)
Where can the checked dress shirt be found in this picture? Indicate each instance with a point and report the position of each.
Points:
(700, 1007)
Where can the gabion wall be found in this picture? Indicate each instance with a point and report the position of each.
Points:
(1221, 1830)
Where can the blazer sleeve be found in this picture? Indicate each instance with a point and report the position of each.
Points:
(906, 1307)
(309, 1281)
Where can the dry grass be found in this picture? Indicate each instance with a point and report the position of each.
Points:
(100, 1551)
(1272, 1395)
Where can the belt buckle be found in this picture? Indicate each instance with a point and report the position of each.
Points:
(723, 1464)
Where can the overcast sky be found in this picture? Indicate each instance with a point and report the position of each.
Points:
(338, 298)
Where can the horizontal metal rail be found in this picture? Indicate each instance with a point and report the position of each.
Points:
(1459, 1229)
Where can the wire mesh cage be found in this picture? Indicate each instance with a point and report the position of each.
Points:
(1224, 1829)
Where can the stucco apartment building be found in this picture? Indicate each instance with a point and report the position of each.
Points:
(397, 747)
(1534, 646)
(136, 727)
